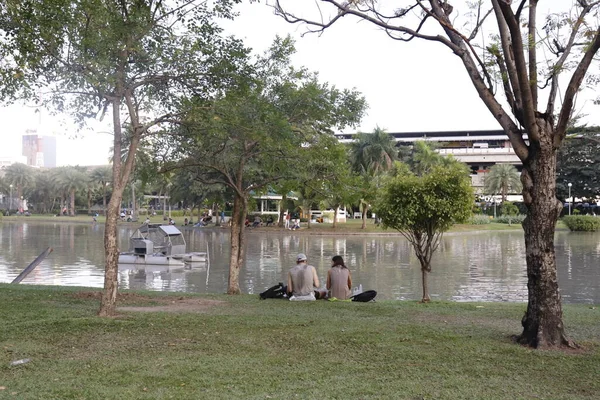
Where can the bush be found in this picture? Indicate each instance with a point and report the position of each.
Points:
(582, 223)
(479, 220)
(510, 219)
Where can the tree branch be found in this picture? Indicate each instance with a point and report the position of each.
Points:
(573, 87)
(521, 67)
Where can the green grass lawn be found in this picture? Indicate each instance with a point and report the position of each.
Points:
(224, 347)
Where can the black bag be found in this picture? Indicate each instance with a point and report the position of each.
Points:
(274, 292)
(365, 296)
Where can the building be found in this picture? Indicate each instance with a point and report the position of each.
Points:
(480, 150)
(6, 161)
(39, 151)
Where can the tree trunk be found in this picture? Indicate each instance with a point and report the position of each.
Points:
(542, 324)
(238, 217)
(111, 254)
(72, 205)
(282, 211)
(335, 213)
(104, 197)
(120, 179)
(89, 199)
(364, 216)
(424, 276)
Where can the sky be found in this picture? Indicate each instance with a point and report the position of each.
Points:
(416, 86)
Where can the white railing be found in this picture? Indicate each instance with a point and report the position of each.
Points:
(478, 150)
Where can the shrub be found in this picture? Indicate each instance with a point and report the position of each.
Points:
(582, 223)
(510, 219)
(479, 220)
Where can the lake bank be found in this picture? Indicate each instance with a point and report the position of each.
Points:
(351, 227)
(222, 347)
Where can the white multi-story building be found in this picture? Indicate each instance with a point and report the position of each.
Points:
(478, 149)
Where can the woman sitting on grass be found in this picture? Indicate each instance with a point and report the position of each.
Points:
(339, 279)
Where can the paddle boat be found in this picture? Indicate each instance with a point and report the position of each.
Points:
(156, 244)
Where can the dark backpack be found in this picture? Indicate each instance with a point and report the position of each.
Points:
(368, 295)
(274, 292)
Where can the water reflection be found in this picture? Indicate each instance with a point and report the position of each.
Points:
(478, 266)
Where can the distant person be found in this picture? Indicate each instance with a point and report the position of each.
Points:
(269, 221)
(171, 221)
(287, 220)
(185, 222)
(257, 222)
(295, 224)
(147, 221)
(339, 279)
(302, 280)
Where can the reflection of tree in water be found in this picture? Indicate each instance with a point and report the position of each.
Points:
(485, 265)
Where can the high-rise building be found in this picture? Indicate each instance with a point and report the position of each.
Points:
(40, 151)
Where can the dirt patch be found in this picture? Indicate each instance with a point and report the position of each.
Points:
(178, 305)
(123, 297)
(156, 304)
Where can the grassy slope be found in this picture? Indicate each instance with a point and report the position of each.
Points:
(251, 349)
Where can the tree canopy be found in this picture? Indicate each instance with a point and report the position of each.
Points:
(263, 131)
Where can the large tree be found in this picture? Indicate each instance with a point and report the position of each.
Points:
(511, 56)
(132, 59)
(262, 132)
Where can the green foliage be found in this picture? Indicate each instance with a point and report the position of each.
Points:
(479, 220)
(582, 223)
(373, 153)
(510, 219)
(429, 203)
(275, 127)
(509, 208)
(502, 179)
(578, 162)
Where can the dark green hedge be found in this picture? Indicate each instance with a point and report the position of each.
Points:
(582, 223)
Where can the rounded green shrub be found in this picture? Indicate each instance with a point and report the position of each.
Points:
(510, 219)
(479, 219)
(582, 223)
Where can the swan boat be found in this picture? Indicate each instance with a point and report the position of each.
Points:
(156, 244)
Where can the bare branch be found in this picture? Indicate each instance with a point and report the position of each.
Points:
(573, 87)
(566, 51)
(533, 75)
(346, 10)
(521, 67)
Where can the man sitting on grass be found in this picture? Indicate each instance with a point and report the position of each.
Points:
(302, 280)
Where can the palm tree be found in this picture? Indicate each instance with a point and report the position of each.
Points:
(44, 191)
(373, 152)
(20, 176)
(102, 176)
(70, 180)
(502, 178)
(371, 155)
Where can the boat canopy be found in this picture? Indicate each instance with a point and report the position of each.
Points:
(166, 239)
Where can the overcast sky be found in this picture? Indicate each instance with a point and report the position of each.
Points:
(416, 86)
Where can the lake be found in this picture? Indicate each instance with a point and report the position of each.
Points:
(474, 266)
